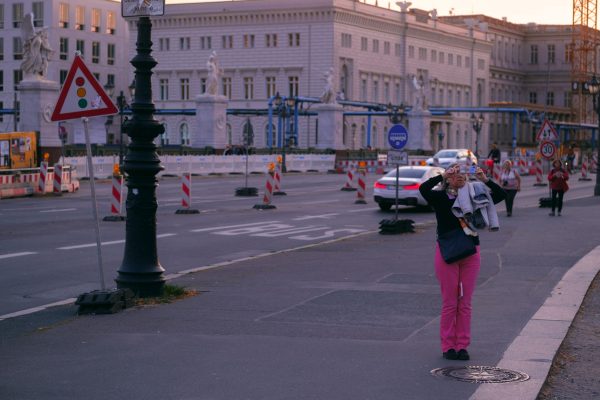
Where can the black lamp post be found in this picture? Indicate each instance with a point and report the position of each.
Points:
(440, 138)
(140, 270)
(283, 107)
(594, 89)
(477, 123)
(395, 113)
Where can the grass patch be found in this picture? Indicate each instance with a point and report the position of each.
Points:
(170, 294)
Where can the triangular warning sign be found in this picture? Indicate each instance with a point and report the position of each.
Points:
(547, 132)
(82, 95)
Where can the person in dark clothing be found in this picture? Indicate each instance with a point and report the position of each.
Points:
(458, 279)
(558, 178)
(494, 154)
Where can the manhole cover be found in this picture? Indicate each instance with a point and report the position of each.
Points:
(481, 374)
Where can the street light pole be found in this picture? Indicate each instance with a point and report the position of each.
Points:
(594, 89)
(140, 270)
(477, 123)
(122, 104)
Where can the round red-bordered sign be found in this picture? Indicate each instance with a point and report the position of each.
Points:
(547, 149)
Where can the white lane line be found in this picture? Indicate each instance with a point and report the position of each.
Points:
(82, 246)
(36, 309)
(58, 210)
(215, 228)
(305, 217)
(24, 253)
(363, 209)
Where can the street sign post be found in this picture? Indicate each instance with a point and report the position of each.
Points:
(397, 136)
(547, 132)
(547, 149)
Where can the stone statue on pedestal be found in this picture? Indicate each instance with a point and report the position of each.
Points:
(214, 72)
(329, 95)
(420, 102)
(36, 49)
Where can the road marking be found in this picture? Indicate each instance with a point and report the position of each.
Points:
(36, 309)
(324, 216)
(24, 253)
(82, 246)
(363, 210)
(320, 202)
(290, 231)
(58, 210)
(215, 228)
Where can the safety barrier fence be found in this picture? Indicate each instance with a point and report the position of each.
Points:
(209, 165)
(27, 181)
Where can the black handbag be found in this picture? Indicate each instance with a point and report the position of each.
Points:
(456, 245)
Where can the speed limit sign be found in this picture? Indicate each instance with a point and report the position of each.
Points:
(547, 149)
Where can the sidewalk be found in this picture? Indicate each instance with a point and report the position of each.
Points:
(352, 319)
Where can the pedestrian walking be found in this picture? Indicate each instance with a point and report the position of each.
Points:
(558, 178)
(457, 278)
(494, 154)
(511, 183)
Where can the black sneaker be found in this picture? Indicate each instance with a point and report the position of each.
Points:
(463, 355)
(450, 355)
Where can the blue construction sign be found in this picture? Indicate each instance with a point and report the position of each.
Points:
(397, 136)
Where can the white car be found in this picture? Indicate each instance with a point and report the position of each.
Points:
(447, 157)
(409, 180)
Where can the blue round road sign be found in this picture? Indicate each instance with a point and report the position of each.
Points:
(397, 136)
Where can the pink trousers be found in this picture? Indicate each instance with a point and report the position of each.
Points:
(457, 283)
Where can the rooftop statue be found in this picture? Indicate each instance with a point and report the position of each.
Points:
(36, 49)
(329, 95)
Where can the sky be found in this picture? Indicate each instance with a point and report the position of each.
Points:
(516, 11)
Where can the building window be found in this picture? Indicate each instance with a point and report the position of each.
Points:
(202, 85)
(568, 99)
(533, 97)
(550, 99)
(38, 13)
(226, 82)
(386, 48)
(422, 54)
(17, 77)
(185, 88)
(364, 44)
(442, 57)
(433, 55)
(184, 134)
(80, 18)
(110, 54)
(480, 63)
(96, 18)
(64, 48)
(271, 40)
(386, 92)
(227, 41)
(17, 14)
(1, 81)
(164, 137)
(450, 59)
(568, 53)
(1, 16)
(375, 46)
(164, 89)
(363, 89)
(96, 75)
(551, 54)
(533, 55)
(293, 39)
(375, 91)
(346, 40)
(1, 48)
(248, 41)
(271, 86)
(110, 79)
(184, 43)
(459, 61)
(411, 51)
(397, 49)
(80, 47)
(205, 43)
(294, 86)
(467, 62)
(17, 48)
(164, 44)
(96, 52)
(111, 23)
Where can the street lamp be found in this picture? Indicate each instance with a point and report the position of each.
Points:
(283, 107)
(121, 103)
(594, 89)
(477, 123)
(395, 113)
(440, 138)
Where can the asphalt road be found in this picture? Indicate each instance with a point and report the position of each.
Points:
(48, 249)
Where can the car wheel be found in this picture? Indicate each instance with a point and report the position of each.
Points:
(385, 206)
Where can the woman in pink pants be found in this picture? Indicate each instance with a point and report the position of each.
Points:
(458, 279)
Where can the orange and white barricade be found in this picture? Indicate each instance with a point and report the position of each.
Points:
(116, 199)
(361, 187)
(277, 179)
(43, 177)
(584, 170)
(186, 195)
(349, 186)
(523, 170)
(496, 172)
(269, 185)
(538, 173)
(57, 185)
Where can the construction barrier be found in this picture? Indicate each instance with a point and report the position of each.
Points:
(58, 175)
(584, 170)
(116, 199)
(268, 196)
(43, 177)
(349, 186)
(277, 179)
(361, 185)
(538, 174)
(186, 195)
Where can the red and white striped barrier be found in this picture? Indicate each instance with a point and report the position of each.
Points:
(522, 164)
(186, 195)
(584, 170)
(58, 175)
(349, 186)
(496, 172)
(538, 174)
(277, 180)
(594, 163)
(43, 177)
(268, 196)
(361, 185)
(116, 200)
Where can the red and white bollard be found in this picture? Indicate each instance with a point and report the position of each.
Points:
(57, 185)
(361, 184)
(496, 172)
(43, 177)
(584, 170)
(538, 173)
(349, 186)
(116, 200)
(523, 166)
(277, 180)
(186, 195)
(268, 196)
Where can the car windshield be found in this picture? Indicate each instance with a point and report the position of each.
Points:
(445, 154)
(407, 173)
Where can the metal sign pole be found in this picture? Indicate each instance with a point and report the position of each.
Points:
(88, 149)
(397, 180)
